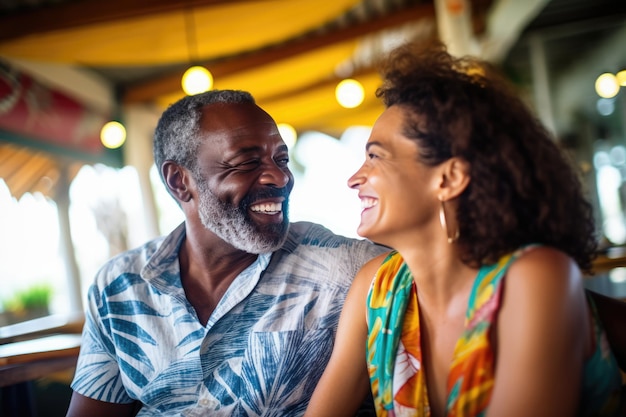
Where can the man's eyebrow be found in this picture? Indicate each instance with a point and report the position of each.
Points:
(254, 149)
(247, 149)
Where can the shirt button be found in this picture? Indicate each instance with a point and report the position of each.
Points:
(205, 402)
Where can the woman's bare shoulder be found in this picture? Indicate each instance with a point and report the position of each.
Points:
(370, 267)
(545, 268)
(364, 277)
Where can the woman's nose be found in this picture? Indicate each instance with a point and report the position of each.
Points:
(356, 179)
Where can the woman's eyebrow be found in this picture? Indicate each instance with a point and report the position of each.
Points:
(368, 145)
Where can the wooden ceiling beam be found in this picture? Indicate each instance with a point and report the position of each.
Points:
(147, 91)
(72, 14)
(29, 174)
(17, 157)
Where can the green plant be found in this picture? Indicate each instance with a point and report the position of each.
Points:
(34, 297)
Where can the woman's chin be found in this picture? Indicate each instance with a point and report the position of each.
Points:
(367, 233)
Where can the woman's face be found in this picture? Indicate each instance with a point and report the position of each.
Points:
(398, 193)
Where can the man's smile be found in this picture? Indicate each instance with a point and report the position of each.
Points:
(267, 208)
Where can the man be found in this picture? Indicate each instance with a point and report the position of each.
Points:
(234, 313)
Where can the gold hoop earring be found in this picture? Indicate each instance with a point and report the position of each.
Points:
(444, 223)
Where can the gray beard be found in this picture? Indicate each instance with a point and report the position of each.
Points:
(232, 224)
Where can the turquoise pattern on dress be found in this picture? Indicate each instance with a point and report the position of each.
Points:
(394, 341)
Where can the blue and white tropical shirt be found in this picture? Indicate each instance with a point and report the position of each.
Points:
(262, 351)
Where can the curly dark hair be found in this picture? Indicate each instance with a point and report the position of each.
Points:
(523, 188)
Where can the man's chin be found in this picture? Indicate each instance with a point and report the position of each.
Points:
(260, 247)
(271, 237)
(257, 239)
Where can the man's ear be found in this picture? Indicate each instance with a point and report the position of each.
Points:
(177, 180)
(455, 179)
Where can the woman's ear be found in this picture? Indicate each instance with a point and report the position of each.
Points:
(177, 181)
(455, 178)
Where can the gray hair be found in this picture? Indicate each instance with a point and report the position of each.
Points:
(176, 135)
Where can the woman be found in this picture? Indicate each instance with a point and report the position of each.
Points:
(480, 309)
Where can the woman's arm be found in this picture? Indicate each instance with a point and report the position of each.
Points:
(543, 334)
(612, 314)
(345, 381)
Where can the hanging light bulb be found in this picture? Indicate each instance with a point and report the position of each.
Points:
(197, 80)
(113, 134)
(607, 85)
(349, 93)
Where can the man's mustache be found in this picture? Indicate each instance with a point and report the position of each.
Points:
(269, 192)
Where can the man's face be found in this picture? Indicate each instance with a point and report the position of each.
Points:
(243, 180)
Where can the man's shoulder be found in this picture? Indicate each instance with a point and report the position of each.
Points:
(310, 236)
(309, 233)
(155, 254)
(313, 252)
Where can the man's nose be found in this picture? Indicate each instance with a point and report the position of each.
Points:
(274, 175)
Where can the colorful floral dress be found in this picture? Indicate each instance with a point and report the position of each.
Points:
(394, 349)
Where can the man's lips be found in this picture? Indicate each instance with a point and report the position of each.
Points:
(267, 207)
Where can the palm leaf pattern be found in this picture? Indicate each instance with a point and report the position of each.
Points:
(261, 352)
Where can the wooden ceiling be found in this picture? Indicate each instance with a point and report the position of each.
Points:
(285, 52)
(289, 53)
(27, 170)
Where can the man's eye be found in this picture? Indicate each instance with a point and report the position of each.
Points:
(282, 161)
(372, 155)
(249, 164)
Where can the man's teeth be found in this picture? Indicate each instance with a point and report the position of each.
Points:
(267, 207)
(368, 202)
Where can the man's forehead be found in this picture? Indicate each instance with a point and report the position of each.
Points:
(233, 117)
(244, 128)
(240, 134)
(235, 127)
